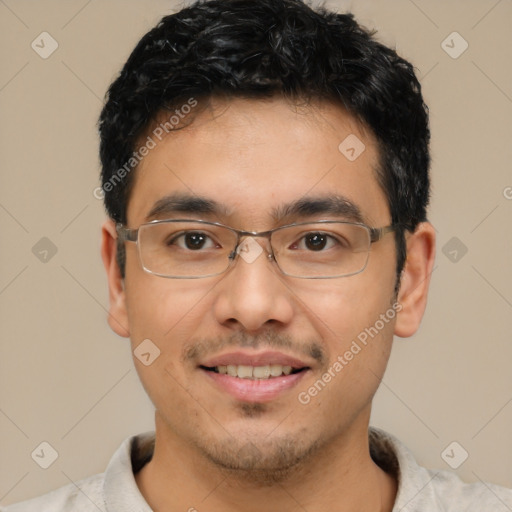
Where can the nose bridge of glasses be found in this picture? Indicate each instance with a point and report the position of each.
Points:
(247, 244)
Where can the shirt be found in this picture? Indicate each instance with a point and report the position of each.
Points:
(419, 489)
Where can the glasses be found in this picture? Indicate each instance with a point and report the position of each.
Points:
(190, 249)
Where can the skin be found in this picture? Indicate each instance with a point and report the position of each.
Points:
(252, 156)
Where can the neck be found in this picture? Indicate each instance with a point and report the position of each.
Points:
(341, 476)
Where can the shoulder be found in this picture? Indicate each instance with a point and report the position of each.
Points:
(115, 489)
(86, 495)
(429, 490)
(451, 493)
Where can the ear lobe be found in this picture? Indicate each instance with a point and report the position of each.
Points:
(118, 317)
(415, 279)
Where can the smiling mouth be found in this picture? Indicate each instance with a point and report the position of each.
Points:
(254, 372)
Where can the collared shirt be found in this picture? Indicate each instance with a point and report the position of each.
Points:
(419, 489)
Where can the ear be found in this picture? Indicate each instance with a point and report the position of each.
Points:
(118, 317)
(415, 279)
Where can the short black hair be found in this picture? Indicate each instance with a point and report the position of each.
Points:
(263, 48)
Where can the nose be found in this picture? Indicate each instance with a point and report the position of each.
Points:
(252, 294)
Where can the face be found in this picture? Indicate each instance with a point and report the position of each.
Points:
(252, 157)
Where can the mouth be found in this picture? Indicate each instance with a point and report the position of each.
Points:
(243, 371)
(254, 378)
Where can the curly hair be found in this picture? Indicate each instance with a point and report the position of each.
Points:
(261, 48)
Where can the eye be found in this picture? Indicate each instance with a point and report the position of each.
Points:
(316, 241)
(193, 240)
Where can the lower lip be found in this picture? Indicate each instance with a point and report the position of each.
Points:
(255, 390)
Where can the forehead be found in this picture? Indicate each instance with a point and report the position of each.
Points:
(253, 158)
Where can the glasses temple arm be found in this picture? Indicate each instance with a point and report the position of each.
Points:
(126, 234)
(376, 234)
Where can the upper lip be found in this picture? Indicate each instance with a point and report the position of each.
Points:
(259, 359)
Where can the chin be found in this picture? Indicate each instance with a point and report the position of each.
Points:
(262, 459)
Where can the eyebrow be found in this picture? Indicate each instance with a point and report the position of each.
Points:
(332, 205)
(185, 203)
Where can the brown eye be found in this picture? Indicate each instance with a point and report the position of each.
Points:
(192, 240)
(315, 241)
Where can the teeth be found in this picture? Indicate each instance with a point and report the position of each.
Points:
(254, 372)
(244, 372)
(261, 372)
(276, 370)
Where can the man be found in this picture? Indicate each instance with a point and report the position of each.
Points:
(265, 171)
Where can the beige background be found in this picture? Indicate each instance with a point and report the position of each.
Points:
(68, 380)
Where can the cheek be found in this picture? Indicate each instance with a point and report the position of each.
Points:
(355, 320)
(349, 382)
(163, 314)
(164, 309)
(341, 309)
(169, 313)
